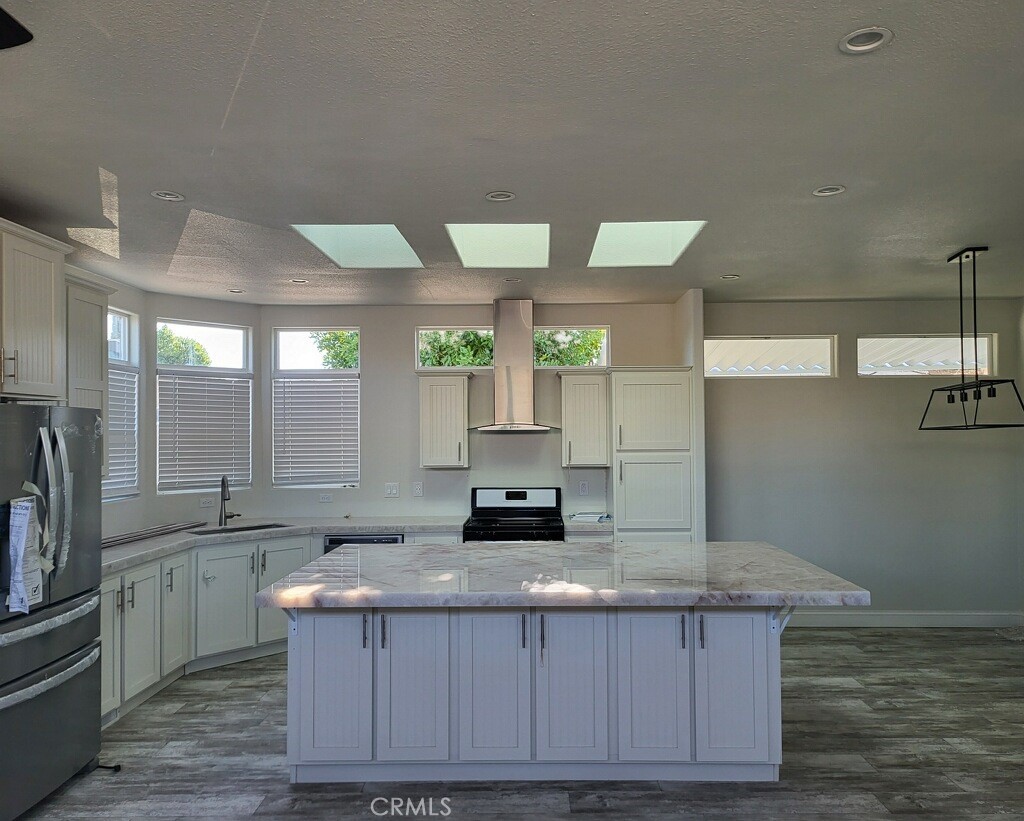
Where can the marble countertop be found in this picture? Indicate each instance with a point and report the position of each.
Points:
(124, 557)
(561, 574)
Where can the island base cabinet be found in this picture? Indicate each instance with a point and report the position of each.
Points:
(335, 678)
(731, 685)
(494, 686)
(572, 685)
(654, 692)
(412, 685)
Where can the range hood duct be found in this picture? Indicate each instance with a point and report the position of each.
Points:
(513, 368)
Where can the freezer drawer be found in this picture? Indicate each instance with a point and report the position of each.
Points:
(42, 637)
(50, 723)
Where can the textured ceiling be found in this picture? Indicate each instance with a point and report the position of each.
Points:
(266, 113)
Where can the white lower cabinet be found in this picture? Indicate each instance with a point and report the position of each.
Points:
(433, 538)
(225, 593)
(731, 685)
(277, 558)
(494, 685)
(141, 629)
(174, 609)
(110, 645)
(412, 684)
(654, 689)
(572, 685)
(336, 681)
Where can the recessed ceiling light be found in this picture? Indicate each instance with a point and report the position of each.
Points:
(730, 276)
(167, 196)
(300, 281)
(236, 291)
(829, 190)
(632, 244)
(864, 40)
(504, 245)
(500, 196)
(512, 279)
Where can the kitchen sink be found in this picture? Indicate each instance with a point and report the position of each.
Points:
(212, 530)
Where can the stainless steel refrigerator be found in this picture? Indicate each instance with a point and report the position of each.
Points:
(49, 657)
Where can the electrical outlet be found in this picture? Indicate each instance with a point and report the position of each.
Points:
(391, 489)
(206, 501)
(326, 498)
(417, 488)
(584, 488)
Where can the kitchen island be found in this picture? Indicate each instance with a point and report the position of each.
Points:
(542, 660)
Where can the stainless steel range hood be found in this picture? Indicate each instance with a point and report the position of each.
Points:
(513, 368)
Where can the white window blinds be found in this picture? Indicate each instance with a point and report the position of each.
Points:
(122, 433)
(316, 431)
(204, 431)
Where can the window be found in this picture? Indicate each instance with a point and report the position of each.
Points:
(454, 347)
(769, 356)
(570, 347)
(931, 355)
(204, 406)
(316, 407)
(122, 422)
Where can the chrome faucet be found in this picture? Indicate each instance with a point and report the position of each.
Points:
(225, 494)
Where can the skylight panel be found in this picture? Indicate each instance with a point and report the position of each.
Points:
(362, 246)
(501, 245)
(642, 244)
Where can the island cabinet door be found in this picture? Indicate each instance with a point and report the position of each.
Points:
(731, 685)
(654, 685)
(336, 686)
(494, 686)
(572, 685)
(412, 684)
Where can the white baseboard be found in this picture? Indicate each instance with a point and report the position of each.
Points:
(868, 617)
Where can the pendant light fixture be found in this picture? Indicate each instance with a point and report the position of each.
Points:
(971, 387)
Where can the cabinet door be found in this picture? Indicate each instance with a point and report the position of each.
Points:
(654, 491)
(585, 420)
(277, 558)
(412, 685)
(174, 624)
(33, 319)
(225, 590)
(494, 686)
(731, 685)
(654, 685)
(572, 685)
(141, 659)
(87, 351)
(336, 686)
(652, 410)
(110, 645)
(444, 416)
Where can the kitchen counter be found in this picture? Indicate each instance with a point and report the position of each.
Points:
(561, 574)
(124, 557)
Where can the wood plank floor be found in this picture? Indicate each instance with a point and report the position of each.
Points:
(877, 724)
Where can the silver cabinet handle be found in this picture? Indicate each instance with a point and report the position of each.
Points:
(701, 622)
(383, 631)
(170, 580)
(569, 460)
(207, 577)
(366, 620)
(458, 458)
(119, 600)
(620, 436)
(131, 591)
(263, 562)
(682, 631)
(620, 471)
(524, 630)
(14, 359)
(543, 638)
(252, 563)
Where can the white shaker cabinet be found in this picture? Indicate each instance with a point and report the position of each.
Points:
(731, 685)
(584, 420)
(225, 593)
(175, 605)
(110, 644)
(33, 317)
(654, 685)
(336, 681)
(653, 491)
(572, 685)
(494, 685)
(444, 421)
(277, 558)
(651, 410)
(141, 618)
(412, 684)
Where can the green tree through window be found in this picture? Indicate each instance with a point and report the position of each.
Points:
(340, 349)
(567, 347)
(456, 349)
(172, 349)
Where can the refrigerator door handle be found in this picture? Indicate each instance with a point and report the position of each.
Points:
(67, 491)
(44, 686)
(49, 522)
(14, 636)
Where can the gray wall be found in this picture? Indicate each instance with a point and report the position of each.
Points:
(836, 471)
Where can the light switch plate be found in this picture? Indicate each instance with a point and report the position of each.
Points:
(206, 501)
(584, 488)
(417, 488)
(391, 489)
(326, 497)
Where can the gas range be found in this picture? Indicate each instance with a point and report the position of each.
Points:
(531, 514)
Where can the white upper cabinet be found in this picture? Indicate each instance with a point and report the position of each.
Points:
(652, 410)
(584, 420)
(33, 334)
(87, 348)
(444, 419)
